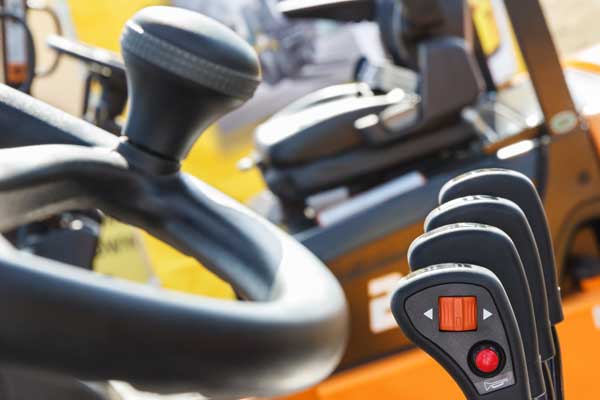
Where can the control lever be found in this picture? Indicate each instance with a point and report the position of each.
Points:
(516, 187)
(508, 217)
(490, 247)
(461, 316)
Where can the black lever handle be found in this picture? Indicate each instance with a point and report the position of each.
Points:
(515, 187)
(508, 217)
(184, 71)
(483, 350)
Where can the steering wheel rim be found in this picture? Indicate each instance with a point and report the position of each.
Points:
(292, 337)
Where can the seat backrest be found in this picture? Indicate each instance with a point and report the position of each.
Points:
(448, 80)
(435, 38)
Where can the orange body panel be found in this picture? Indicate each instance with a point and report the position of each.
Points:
(413, 375)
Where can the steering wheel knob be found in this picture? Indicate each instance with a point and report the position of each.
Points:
(184, 71)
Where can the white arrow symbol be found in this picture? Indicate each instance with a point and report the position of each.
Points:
(486, 314)
(429, 314)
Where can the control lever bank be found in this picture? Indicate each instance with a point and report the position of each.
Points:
(490, 247)
(289, 334)
(508, 217)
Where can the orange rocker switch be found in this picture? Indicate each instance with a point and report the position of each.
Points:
(458, 314)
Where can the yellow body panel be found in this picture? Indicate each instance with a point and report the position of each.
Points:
(100, 22)
(485, 23)
(489, 20)
(121, 245)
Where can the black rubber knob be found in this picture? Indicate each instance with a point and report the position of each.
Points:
(184, 71)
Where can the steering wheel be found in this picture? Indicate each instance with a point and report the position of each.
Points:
(184, 71)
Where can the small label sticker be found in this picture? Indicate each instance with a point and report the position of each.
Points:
(564, 122)
(497, 383)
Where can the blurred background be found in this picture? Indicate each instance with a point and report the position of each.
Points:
(574, 24)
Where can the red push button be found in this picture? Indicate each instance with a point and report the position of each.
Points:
(487, 361)
(458, 314)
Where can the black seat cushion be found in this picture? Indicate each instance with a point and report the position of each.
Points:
(296, 182)
(323, 130)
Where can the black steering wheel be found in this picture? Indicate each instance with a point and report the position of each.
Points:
(184, 71)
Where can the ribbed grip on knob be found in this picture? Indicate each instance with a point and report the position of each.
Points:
(184, 71)
(187, 65)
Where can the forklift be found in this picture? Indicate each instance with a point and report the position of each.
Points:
(549, 136)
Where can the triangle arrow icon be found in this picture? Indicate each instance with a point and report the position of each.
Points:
(429, 314)
(486, 314)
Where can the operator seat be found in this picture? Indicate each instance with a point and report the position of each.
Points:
(362, 131)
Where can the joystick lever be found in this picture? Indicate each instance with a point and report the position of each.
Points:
(493, 249)
(461, 316)
(516, 187)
